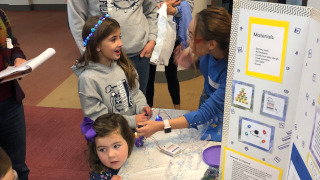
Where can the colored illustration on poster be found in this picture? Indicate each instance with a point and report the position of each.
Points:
(315, 137)
(267, 44)
(274, 105)
(242, 95)
(256, 134)
(235, 162)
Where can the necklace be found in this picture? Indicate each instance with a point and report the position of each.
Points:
(107, 5)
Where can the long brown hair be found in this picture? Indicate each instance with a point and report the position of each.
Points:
(104, 126)
(105, 29)
(214, 24)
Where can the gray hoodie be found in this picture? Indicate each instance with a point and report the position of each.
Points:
(104, 89)
(138, 23)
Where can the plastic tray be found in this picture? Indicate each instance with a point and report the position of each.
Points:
(211, 156)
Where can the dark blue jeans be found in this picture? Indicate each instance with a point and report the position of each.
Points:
(142, 66)
(13, 135)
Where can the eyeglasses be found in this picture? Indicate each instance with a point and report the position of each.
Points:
(190, 38)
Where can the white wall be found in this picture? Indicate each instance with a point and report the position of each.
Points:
(29, 2)
(314, 3)
(18, 2)
(198, 6)
(4, 2)
(49, 2)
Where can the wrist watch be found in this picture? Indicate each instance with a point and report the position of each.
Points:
(167, 127)
(177, 11)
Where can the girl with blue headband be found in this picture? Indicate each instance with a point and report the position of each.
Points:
(138, 20)
(108, 82)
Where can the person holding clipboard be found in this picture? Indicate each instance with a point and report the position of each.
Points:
(12, 120)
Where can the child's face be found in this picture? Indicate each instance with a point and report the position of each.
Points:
(9, 176)
(109, 48)
(112, 150)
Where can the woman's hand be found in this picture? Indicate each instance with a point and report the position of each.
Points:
(147, 110)
(148, 49)
(149, 128)
(19, 61)
(184, 58)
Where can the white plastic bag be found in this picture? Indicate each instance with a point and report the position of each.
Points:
(166, 38)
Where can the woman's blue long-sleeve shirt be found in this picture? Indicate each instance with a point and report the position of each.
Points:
(215, 75)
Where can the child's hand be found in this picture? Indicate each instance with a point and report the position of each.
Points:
(141, 118)
(173, 3)
(147, 50)
(149, 128)
(170, 9)
(184, 58)
(116, 177)
(160, 4)
(147, 110)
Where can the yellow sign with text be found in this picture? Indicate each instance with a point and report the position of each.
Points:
(266, 50)
(237, 165)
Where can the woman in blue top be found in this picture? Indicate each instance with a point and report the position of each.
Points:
(209, 36)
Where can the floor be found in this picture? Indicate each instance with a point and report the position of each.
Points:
(55, 145)
(53, 84)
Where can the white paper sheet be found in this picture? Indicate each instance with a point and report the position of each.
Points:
(27, 67)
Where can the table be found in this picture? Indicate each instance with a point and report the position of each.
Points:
(150, 163)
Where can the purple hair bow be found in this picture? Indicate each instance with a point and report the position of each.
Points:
(87, 129)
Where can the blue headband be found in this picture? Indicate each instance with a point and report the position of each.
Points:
(102, 18)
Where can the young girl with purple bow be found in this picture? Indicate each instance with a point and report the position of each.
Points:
(108, 82)
(110, 142)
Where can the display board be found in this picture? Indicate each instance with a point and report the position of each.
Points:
(272, 105)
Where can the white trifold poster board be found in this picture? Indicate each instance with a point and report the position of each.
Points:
(272, 106)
